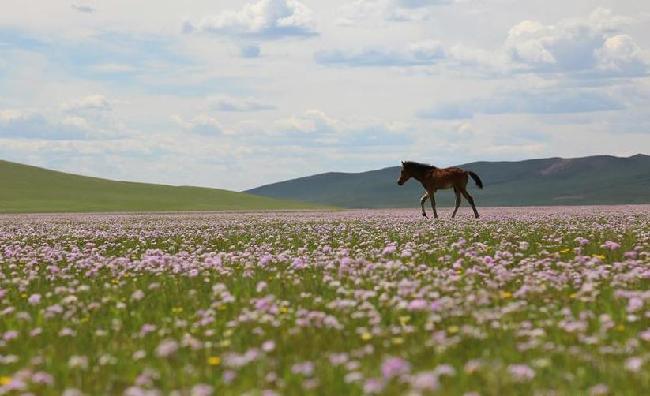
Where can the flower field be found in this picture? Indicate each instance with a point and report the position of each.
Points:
(522, 301)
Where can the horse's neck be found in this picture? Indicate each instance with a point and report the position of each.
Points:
(421, 175)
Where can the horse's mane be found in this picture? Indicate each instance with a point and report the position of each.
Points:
(417, 166)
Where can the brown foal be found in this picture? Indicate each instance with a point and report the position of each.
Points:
(434, 179)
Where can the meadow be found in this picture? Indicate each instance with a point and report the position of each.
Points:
(530, 301)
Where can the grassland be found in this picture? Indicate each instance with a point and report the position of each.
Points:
(27, 189)
(522, 302)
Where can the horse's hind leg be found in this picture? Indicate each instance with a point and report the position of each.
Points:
(433, 205)
(471, 202)
(457, 202)
(422, 201)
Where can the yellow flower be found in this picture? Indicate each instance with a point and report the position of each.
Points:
(565, 250)
(224, 343)
(284, 310)
(573, 295)
(177, 310)
(600, 256)
(398, 340)
(214, 360)
(453, 329)
(505, 294)
(620, 327)
(4, 380)
(366, 336)
(404, 320)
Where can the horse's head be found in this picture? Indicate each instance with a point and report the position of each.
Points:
(404, 175)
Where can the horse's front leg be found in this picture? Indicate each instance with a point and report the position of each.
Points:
(422, 201)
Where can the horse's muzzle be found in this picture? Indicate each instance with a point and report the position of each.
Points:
(400, 183)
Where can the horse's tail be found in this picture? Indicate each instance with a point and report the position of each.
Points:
(477, 179)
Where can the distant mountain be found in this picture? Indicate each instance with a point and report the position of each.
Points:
(31, 189)
(554, 181)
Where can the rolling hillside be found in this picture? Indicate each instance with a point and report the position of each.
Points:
(31, 189)
(552, 181)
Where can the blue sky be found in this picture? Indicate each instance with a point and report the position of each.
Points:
(234, 94)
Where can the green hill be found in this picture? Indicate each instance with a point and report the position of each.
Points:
(31, 189)
(552, 181)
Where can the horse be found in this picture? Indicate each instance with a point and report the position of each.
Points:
(433, 179)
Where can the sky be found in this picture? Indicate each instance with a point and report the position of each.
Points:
(237, 94)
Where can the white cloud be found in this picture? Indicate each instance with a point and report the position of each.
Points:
(311, 122)
(234, 104)
(621, 55)
(86, 9)
(592, 46)
(419, 53)
(539, 101)
(86, 118)
(201, 124)
(25, 124)
(250, 51)
(577, 46)
(113, 68)
(91, 102)
(315, 128)
(265, 19)
(363, 11)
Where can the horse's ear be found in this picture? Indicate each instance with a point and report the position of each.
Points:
(402, 162)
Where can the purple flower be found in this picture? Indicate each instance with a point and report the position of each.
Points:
(394, 366)
(389, 249)
(598, 390)
(137, 295)
(427, 381)
(338, 359)
(634, 304)
(634, 364)
(645, 335)
(41, 377)
(10, 335)
(610, 245)
(229, 376)
(417, 305)
(305, 368)
(265, 260)
(261, 286)
(146, 329)
(298, 263)
(268, 346)
(582, 241)
(521, 372)
(373, 386)
(631, 255)
(167, 348)
(201, 390)
(34, 299)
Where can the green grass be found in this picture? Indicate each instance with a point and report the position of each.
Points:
(28, 189)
